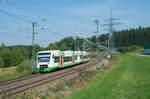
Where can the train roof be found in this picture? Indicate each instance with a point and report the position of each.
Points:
(48, 51)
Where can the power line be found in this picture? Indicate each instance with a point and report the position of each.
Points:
(14, 29)
(17, 7)
(17, 16)
(29, 15)
(20, 9)
(14, 16)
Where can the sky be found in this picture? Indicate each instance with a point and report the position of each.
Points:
(56, 19)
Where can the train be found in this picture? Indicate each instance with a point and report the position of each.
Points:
(54, 59)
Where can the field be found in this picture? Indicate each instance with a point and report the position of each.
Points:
(129, 78)
(21, 70)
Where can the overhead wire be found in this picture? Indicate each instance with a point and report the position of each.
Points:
(19, 8)
(14, 29)
(26, 14)
(39, 25)
(14, 16)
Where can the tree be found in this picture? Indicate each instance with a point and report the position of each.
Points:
(52, 47)
(12, 58)
(1, 62)
(2, 47)
(64, 47)
(138, 37)
(69, 42)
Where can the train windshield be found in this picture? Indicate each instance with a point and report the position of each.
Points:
(41, 54)
(43, 59)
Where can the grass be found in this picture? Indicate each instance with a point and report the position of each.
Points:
(21, 70)
(128, 79)
(59, 87)
(7, 73)
(62, 89)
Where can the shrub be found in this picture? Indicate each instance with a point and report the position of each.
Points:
(59, 87)
(132, 48)
(123, 49)
(128, 49)
(25, 67)
(1, 62)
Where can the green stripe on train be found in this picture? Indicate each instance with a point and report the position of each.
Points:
(52, 68)
(46, 69)
(65, 65)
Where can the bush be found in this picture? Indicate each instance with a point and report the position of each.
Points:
(132, 48)
(1, 62)
(123, 49)
(25, 67)
(128, 49)
(11, 58)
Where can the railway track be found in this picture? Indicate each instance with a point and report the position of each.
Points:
(17, 79)
(19, 85)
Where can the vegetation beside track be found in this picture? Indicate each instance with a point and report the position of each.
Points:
(62, 88)
(128, 79)
(21, 70)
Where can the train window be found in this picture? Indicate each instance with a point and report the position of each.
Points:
(85, 56)
(80, 56)
(44, 53)
(76, 57)
(56, 59)
(66, 59)
(43, 59)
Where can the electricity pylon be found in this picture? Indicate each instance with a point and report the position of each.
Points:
(97, 30)
(33, 46)
(111, 40)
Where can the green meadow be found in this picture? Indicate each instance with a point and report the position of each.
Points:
(129, 78)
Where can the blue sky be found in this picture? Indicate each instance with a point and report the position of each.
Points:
(61, 18)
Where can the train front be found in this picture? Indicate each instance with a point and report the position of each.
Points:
(43, 61)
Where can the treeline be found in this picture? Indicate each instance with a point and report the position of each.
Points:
(138, 37)
(14, 55)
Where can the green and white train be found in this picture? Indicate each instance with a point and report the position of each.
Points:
(52, 59)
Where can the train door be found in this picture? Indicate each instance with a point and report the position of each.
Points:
(82, 58)
(52, 62)
(73, 59)
(78, 57)
(56, 61)
(61, 61)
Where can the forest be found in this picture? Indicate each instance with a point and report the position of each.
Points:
(124, 39)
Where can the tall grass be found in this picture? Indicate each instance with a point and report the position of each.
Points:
(23, 69)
